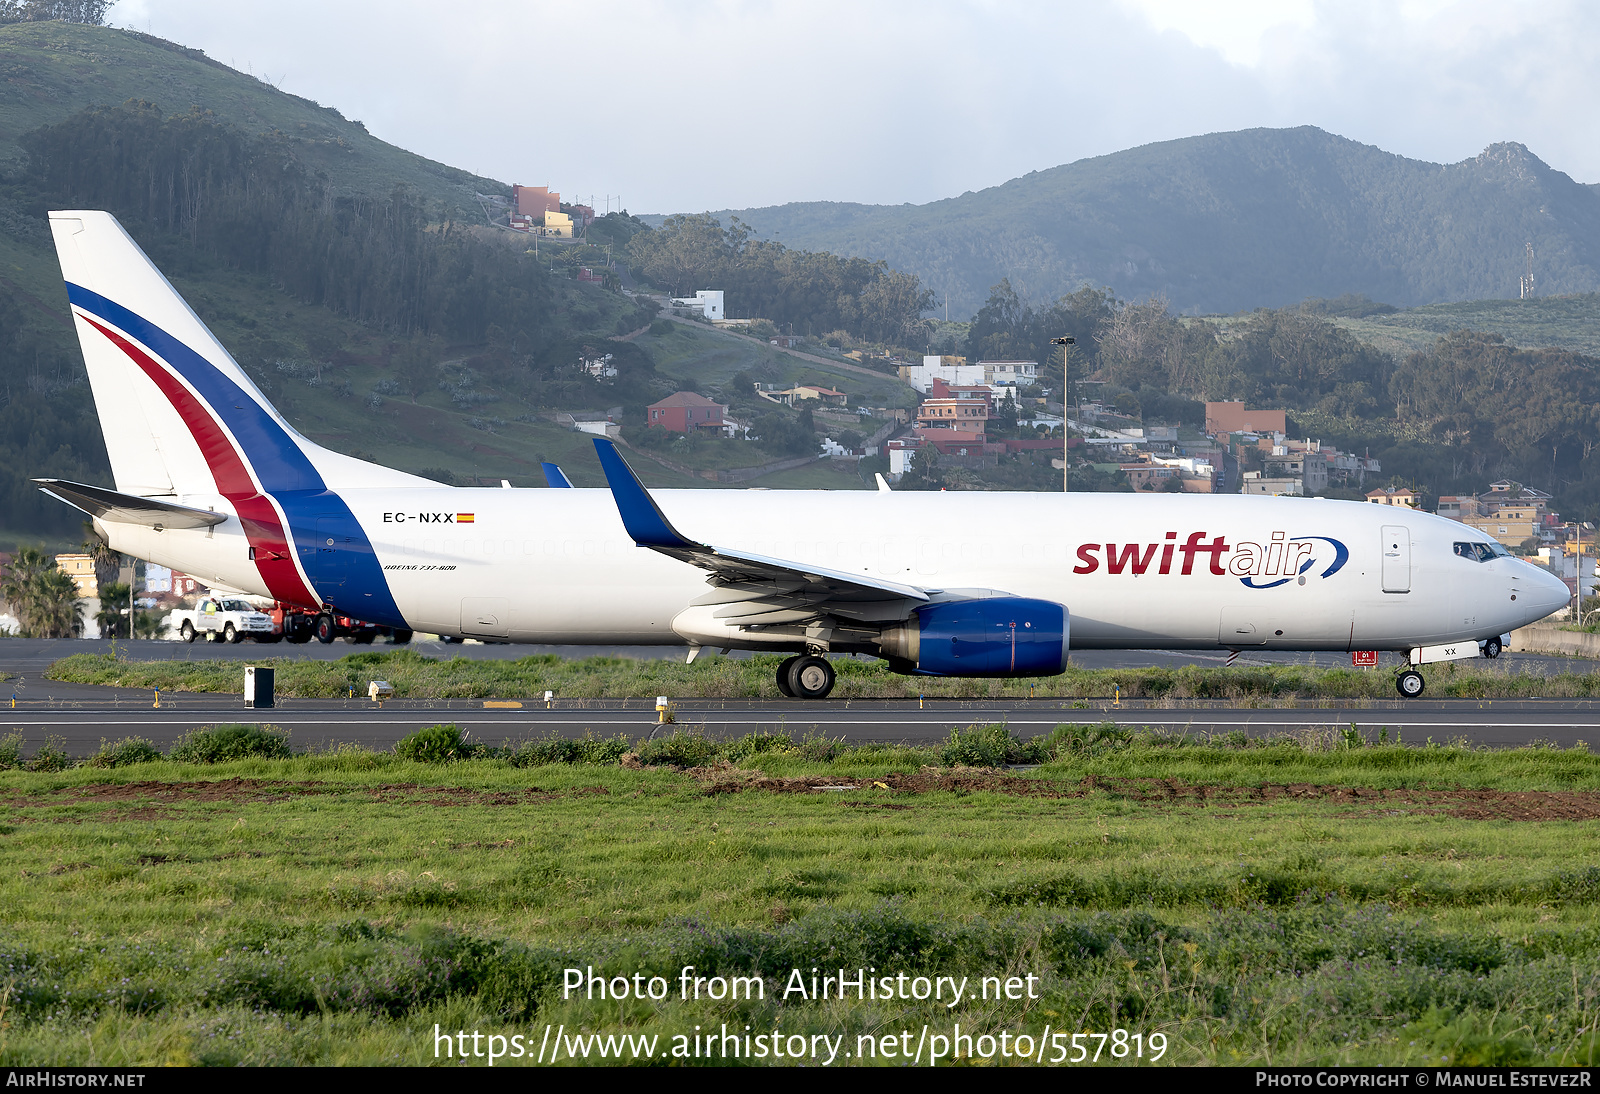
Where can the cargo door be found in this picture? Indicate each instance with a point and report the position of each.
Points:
(1396, 559)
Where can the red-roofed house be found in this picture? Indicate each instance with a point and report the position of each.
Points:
(685, 412)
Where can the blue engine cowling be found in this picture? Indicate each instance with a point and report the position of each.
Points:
(1000, 636)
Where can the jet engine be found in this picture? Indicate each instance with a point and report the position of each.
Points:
(1000, 636)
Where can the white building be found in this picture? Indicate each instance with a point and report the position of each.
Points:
(708, 302)
(1010, 373)
(934, 367)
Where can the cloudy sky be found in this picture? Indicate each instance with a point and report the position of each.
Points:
(735, 103)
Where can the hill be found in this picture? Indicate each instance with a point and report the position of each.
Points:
(1542, 322)
(52, 70)
(1232, 221)
(334, 268)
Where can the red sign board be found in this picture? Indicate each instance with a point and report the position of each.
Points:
(1364, 659)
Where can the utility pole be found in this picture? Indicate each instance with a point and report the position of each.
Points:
(1527, 281)
(1065, 342)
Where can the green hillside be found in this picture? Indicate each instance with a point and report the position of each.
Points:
(1554, 322)
(334, 268)
(1232, 221)
(52, 70)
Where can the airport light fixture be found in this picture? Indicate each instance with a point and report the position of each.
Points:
(1064, 341)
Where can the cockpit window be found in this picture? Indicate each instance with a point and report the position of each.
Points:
(1480, 552)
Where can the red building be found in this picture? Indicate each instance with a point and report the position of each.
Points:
(684, 412)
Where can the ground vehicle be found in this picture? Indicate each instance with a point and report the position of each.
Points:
(961, 584)
(227, 619)
(303, 624)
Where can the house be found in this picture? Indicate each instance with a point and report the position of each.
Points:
(686, 412)
(1010, 373)
(1148, 476)
(1401, 497)
(952, 370)
(1230, 417)
(1458, 507)
(557, 225)
(708, 302)
(1254, 482)
(801, 392)
(786, 341)
(81, 569)
(534, 201)
(964, 407)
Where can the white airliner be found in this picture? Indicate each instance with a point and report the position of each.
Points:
(210, 479)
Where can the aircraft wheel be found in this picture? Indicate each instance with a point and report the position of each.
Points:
(811, 678)
(400, 638)
(783, 675)
(188, 631)
(326, 631)
(364, 638)
(1410, 683)
(230, 635)
(1491, 648)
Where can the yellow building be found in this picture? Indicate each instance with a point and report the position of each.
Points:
(1512, 525)
(81, 569)
(558, 225)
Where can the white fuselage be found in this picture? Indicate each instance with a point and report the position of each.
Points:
(557, 566)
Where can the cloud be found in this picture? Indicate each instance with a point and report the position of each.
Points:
(732, 104)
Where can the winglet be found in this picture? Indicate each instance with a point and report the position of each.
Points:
(883, 487)
(555, 478)
(645, 522)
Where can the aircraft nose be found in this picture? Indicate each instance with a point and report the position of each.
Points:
(1547, 592)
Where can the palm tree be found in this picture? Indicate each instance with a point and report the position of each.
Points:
(42, 595)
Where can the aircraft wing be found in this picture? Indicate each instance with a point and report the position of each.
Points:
(752, 589)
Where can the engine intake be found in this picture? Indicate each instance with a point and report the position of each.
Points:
(1000, 636)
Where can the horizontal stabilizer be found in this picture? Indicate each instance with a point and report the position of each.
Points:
(105, 504)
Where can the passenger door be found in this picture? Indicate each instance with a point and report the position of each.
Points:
(1396, 559)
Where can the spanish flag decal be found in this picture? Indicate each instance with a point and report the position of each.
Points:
(465, 518)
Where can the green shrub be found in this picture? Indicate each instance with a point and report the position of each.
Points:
(587, 749)
(129, 750)
(219, 744)
(990, 746)
(11, 750)
(434, 745)
(1081, 740)
(52, 756)
(682, 749)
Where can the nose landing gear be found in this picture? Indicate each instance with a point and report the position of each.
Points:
(1410, 683)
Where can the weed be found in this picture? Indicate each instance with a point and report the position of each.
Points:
(129, 750)
(220, 744)
(434, 745)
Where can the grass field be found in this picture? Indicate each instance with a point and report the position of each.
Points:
(1319, 901)
(417, 677)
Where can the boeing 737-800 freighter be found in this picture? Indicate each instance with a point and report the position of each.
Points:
(210, 479)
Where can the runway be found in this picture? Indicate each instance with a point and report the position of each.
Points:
(82, 715)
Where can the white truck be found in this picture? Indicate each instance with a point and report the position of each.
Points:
(228, 620)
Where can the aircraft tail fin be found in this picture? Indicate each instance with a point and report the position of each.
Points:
(178, 413)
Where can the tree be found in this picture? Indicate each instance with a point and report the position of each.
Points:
(924, 472)
(42, 596)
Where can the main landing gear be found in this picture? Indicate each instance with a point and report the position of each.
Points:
(805, 677)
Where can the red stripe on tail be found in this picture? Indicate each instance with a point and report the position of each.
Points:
(274, 554)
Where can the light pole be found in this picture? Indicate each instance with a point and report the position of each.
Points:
(1064, 341)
